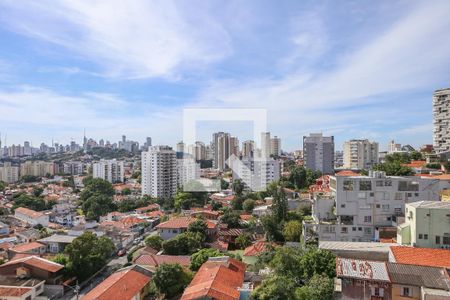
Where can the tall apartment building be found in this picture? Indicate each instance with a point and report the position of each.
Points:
(110, 170)
(159, 172)
(394, 147)
(187, 170)
(248, 148)
(9, 173)
(265, 144)
(37, 168)
(197, 151)
(360, 154)
(234, 145)
(318, 152)
(427, 224)
(221, 147)
(441, 120)
(360, 206)
(73, 167)
(275, 146)
(256, 173)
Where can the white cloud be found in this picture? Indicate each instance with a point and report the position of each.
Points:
(131, 39)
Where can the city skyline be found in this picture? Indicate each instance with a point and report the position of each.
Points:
(351, 70)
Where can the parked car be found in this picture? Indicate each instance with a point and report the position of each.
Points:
(121, 252)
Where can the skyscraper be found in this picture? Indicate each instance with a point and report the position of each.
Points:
(221, 150)
(441, 120)
(110, 170)
(360, 154)
(248, 148)
(275, 146)
(159, 172)
(265, 144)
(318, 152)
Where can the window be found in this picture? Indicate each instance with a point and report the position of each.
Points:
(385, 207)
(398, 196)
(367, 219)
(378, 205)
(420, 236)
(348, 185)
(425, 236)
(416, 194)
(344, 230)
(342, 205)
(406, 292)
(362, 195)
(359, 228)
(408, 186)
(367, 230)
(353, 228)
(446, 240)
(438, 240)
(365, 185)
(379, 183)
(372, 194)
(388, 183)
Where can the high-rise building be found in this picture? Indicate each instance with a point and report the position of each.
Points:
(265, 144)
(275, 146)
(394, 147)
(234, 145)
(9, 173)
(441, 120)
(221, 147)
(360, 154)
(318, 152)
(187, 170)
(110, 170)
(248, 148)
(181, 147)
(256, 174)
(37, 168)
(159, 172)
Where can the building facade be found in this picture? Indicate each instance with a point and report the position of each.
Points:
(275, 146)
(256, 173)
(9, 173)
(441, 120)
(159, 172)
(318, 153)
(221, 146)
(110, 170)
(360, 154)
(37, 168)
(427, 225)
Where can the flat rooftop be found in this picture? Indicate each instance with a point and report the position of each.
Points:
(357, 246)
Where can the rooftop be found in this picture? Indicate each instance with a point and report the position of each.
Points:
(29, 212)
(156, 260)
(124, 284)
(357, 246)
(27, 247)
(361, 269)
(36, 262)
(431, 277)
(430, 204)
(421, 256)
(183, 222)
(58, 238)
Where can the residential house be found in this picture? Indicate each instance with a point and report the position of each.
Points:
(57, 243)
(250, 255)
(358, 250)
(4, 229)
(427, 224)
(219, 278)
(420, 256)
(130, 283)
(31, 217)
(13, 288)
(28, 235)
(175, 226)
(152, 261)
(151, 207)
(33, 248)
(34, 267)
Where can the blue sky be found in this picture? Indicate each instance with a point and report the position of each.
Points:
(353, 69)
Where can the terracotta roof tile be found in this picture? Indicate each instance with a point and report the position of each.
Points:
(421, 256)
(27, 247)
(156, 260)
(13, 292)
(29, 212)
(347, 173)
(36, 262)
(255, 249)
(183, 222)
(121, 285)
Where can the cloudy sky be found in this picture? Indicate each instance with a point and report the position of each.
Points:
(353, 69)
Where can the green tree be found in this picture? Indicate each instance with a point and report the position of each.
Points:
(275, 287)
(201, 256)
(199, 226)
(243, 240)
(126, 191)
(183, 200)
(154, 241)
(96, 186)
(30, 178)
(2, 186)
(88, 253)
(37, 191)
(319, 287)
(280, 206)
(171, 279)
(224, 184)
(232, 219)
(248, 205)
(32, 202)
(292, 231)
(318, 261)
(415, 155)
(238, 187)
(183, 244)
(287, 262)
(394, 169)
(272, 228)
(97, 205)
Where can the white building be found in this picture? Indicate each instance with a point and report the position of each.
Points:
(360, 154)
(159, 172)
(427, 224)
(394, 147)
(360, 206)
(9, 173)
(256, 173)
(73, 167)
(221, 146)
(31, 217)
(37, 168)
(265, 144)
(110, 170)
(318, 152)
(187, 169)
(441, 120)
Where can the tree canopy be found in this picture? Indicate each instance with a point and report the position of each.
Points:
(183, 244)
(171, 279)
(201, 256)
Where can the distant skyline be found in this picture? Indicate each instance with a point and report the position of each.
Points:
(352, 69)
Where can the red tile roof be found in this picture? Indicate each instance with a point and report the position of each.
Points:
(416, 164)
(421, 256)
(255, 249)
(246, 217)
(154, 214)
(183, 222)
(27, 247)
(217, 280)
(156, 260)
(13, 292)
(121, 285)
(37, 262)
(347, 173)
(148, 208)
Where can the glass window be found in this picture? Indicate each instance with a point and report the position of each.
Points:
(365, 185)
(362, 195)
(408, 186)
(353, 228)
(398, 196)
(367, 230)
(379, 183)
(420, 236)
(406, 292)
(388, 183)
(425, 236)
(438, 240)
(359, 228)
(348, 185)
(367, 219)
(446, 240)
(344, 230)
(385, 207)
(342, 205)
